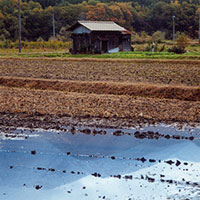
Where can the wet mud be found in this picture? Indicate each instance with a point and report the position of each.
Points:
(10, 121)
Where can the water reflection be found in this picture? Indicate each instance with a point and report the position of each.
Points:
(73, 165)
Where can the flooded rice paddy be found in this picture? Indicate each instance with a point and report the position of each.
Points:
(80, 162)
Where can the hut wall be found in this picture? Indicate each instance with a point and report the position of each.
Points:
(104, 41)
(126, 43)
(81, 43)
(100, 42)
(81, 30)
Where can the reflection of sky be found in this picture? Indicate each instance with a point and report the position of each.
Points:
(51, 147)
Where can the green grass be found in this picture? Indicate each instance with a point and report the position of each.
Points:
(121, 55)
(193, 53)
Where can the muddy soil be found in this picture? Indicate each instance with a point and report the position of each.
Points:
(10, 121)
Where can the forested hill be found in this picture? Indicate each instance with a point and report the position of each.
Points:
(46, 3)
(136, 15)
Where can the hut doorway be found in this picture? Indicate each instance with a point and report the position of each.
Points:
(105, 46)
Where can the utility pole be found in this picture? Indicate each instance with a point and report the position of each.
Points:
(173, 19)
(19, 27)
(54, 29)
(199, 23)
(199, 27)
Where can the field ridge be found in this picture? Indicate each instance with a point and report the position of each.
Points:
(185, 93)
(111, 60)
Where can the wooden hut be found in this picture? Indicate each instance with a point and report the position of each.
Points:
(99, 37)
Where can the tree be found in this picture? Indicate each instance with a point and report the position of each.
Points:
(138, 15)
(93, 2)
(97, 12)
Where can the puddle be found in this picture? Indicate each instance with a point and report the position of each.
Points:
(153, 162)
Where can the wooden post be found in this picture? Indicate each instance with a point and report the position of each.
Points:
(199, 27)
(173, 18)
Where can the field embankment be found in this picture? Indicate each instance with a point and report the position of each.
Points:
(131, 89)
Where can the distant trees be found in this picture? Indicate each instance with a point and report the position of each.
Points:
(136, 15)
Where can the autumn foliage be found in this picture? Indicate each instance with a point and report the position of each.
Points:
(138, 16)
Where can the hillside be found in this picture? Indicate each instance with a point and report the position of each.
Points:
(139, 16)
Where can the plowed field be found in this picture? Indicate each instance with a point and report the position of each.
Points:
(159, 91)
(157, 72)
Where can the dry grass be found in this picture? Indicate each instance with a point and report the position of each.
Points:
(156, 72)
(75, 104)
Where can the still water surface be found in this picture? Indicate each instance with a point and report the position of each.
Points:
(100, 164)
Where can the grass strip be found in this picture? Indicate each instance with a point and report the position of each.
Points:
(120, 55)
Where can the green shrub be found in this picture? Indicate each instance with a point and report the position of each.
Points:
(158, 36)
(1, 45)
(162, 48)
(8, 44)
(177, 49)
(2, 37)
(141, 38)
(182, 41)
(40, 39)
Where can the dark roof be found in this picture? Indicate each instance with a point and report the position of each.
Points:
(98, 26)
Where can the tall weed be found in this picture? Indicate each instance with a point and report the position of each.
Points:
(37, 44)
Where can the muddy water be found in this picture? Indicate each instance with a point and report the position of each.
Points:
(153, 162)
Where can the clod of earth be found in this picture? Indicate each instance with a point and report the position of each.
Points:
(41, 168)
(178, 163)
(96, 174)
(86, 131)
(130, 177)
(118, 133)
(149, 179)
(38, 187)
(152, 160)
(170, 162)
(33, 152)
(51, 169)
(142, 159)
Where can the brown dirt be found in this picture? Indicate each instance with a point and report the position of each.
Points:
(135, 71)
(93, 105)
(113, 90)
